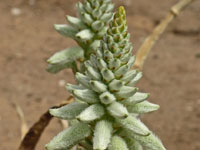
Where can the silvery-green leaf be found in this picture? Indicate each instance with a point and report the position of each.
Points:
(136, 79)
(69, 111)
(117, 143)
(133, 144)
(88, 7)
(143, 107)
(66, 55)
(85, 34)
(102, 135)
(87, 18)
(126, 91)
(117, 110)
(107, 98)
(150, 142)
(93, 60)
(86, 95)
(131, 61)
(66, 30)
(130, 75)
(115, 85)
(93, 73)
(72, 87)
(136, 98)
(110, 7)
(106, 17)
(64, 59)
(82, 79)
(102, 32)
(91, 113)
(80, 8)
(121, 71)
(69, 137)
(97, 25)
(107, 74)
(101, 63)
(95, 45)
(125, 58)
(96, 13)
(75, 22)
(114, 64)
(98, 86)
(108, 55)
(134, 125)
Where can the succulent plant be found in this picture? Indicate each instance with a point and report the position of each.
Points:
(105, 113)
(87, 31)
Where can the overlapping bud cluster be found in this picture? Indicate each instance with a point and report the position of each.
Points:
(89, 29)
(107, 106)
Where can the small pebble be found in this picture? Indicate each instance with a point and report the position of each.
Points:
(16, 11)
(62, 83)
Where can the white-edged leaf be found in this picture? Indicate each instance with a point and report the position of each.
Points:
(150, 142)
(86, 95)
(85, 34)
(136, 98)
(117, 143)
(66, 30)
(69, 137)
(106, 17)
(72, 87)
(102, 135)
(129, 76)
(126, 91)
(98, 86)
(134, 125)
(82, 79)
(76, 22)
(143, 107)
(91, 113)
(107, 98)
(136, 79)
(69, 111)
(64, 59)
(117, 110)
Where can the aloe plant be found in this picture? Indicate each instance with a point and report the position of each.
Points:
(105, 113)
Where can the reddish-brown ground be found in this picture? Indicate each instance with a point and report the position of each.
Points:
(171, 72)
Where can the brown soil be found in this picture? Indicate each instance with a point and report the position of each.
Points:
(171, 72)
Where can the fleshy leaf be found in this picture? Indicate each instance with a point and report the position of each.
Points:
(136, 98)
(85, 34)
(66, 30)
(69, 137)
(134, 125)
(117, 143)
(117, 110)
(143, 107)
(64, 59)
(91, 113)
(69, 111)
(86, 95)
(102, 135)
(150, 142)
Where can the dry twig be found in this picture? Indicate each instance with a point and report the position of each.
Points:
(20, 113)
(150, 41)
(30, 140)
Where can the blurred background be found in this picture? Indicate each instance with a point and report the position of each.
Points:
(171, 72)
